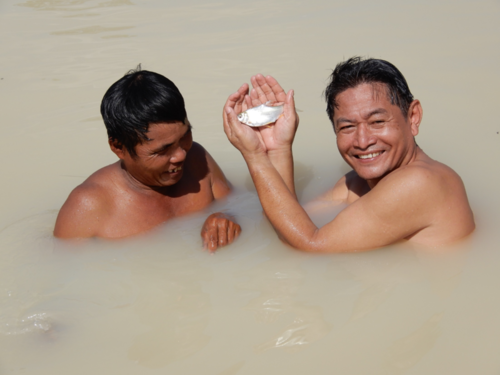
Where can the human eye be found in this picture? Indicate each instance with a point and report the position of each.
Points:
(162, 151)
(346, 128)
(378, 122)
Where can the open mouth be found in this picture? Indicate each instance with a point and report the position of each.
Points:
(369, 156)
(175, 170)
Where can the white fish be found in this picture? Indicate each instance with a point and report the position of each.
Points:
(261, 115)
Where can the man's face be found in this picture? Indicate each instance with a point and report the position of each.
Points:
(373, 135)
(160, 160)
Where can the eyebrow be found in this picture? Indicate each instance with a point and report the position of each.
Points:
(164, 147)
(370, 114)
(343, 119)
(377, 111)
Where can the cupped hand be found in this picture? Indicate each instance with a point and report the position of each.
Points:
(245, 138)
(280, 135)
(219, 230)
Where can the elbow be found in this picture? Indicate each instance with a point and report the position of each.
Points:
(311, 243)
(312, 248)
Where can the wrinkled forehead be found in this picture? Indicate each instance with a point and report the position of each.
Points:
(167, 130)
(373, 91)
(362, 96)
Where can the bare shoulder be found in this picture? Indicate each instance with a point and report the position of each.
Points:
(220, 185)
(433, 194)
(424, 177)
(199, 152)
(86, 207)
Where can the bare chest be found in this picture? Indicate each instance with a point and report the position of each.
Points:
(134, 213)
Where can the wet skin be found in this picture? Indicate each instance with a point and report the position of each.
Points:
(373, 136)
(170, 176)
(395, 191)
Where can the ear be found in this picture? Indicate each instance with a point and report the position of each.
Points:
(415, 113)
(117, 148)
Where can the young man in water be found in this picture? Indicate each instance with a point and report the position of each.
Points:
(394, 192)
(161, 173)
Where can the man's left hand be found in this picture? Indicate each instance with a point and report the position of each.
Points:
(280, 135)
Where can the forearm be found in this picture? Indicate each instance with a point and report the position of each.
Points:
(281, 207)
(282, 161)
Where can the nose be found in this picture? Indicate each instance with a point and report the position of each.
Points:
(179, 155)
(363, 138)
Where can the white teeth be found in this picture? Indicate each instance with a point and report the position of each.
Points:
(369, 156)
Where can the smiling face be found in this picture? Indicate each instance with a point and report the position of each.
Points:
(373, 135)
(160, 159)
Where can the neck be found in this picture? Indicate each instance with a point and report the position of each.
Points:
(137, 185)
(410, 157)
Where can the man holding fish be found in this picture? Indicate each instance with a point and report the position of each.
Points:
(394, 192)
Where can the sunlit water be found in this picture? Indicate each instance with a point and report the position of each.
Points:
(158, 304)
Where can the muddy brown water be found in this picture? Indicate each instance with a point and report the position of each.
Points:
(158, 304)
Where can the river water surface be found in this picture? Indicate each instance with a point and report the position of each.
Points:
(158, 304)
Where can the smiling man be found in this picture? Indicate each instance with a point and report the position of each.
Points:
(394, 192)
(161, 173)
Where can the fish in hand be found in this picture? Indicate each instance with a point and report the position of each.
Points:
(262, 115)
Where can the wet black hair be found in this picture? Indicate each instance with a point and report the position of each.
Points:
(137, 100)
(357, 70)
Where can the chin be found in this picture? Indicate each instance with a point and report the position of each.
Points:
(170, 180)
(168, 183)
(367, 174)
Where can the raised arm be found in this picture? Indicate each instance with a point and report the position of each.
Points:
(376, 219)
